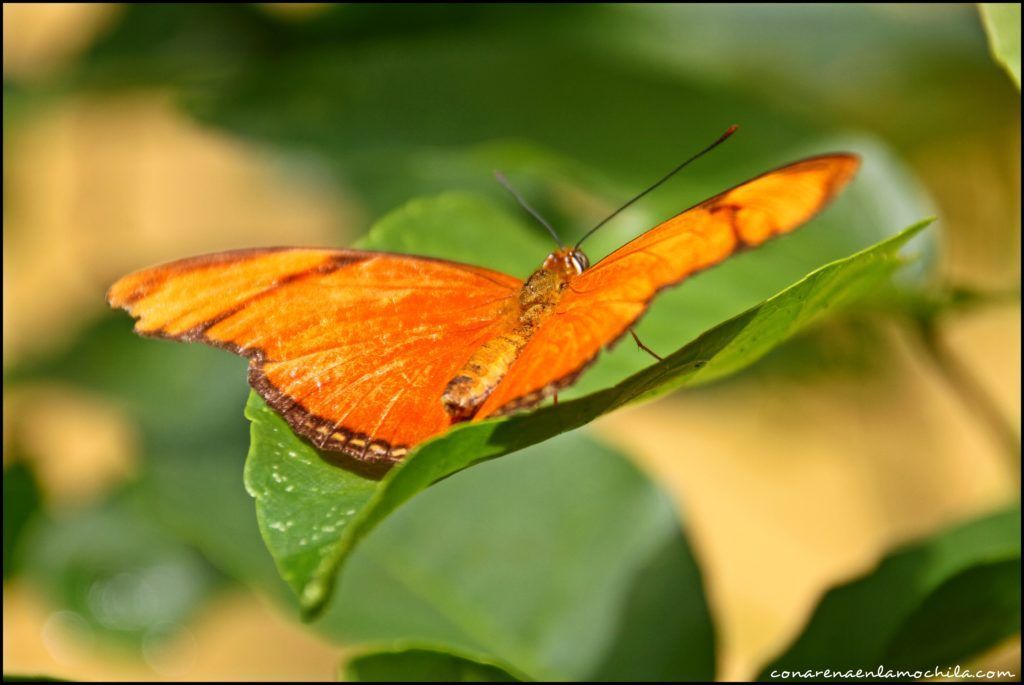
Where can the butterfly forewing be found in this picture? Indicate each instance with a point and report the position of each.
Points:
(353, 348)
(600, 304)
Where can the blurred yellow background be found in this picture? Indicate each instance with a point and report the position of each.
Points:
(789, 485)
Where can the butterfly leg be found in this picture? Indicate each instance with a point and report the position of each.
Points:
(556, 398)
(643, 347)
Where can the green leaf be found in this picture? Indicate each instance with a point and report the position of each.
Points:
(931, 603)
(22, 501)
(1002, 24)
(421, 665)
(303, 500)
(459, 227)
(312, 514)
(560, 562)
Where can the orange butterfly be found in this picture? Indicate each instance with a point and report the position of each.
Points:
(371, 353)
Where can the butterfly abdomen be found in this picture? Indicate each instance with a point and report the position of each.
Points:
(482, 373)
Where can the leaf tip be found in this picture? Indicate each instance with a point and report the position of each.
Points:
(313, 598)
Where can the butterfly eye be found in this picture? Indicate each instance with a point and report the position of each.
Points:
(580, 261)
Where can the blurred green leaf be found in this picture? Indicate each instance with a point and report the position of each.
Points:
(22, 501)
(311, 514)
(122, 577)
(853, 345)
(105, 563)
(929, 604)
(420, 665)
(626, 79)
(463, 228)
(189, 478)
(160, 385)
(1002, 24)
(186, 490)
(561, 562)
(982, 603)
(8, 678)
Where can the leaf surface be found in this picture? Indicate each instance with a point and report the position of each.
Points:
(929, 604)
(312, 514)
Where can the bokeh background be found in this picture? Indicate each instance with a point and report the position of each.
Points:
(139, 134)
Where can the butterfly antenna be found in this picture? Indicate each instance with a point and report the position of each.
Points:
(525, 205)
(709, 148)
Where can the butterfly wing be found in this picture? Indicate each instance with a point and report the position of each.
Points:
(354, 349)
(601, 304)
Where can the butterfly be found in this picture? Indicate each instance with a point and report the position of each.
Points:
(371, 353)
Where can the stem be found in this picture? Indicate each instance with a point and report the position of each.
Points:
(973, 395)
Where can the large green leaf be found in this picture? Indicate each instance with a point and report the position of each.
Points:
(420, 665)
(560, 562)
(311, 513)
(930, 604)
(1002, 24)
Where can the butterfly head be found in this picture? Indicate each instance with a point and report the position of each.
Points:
(568, 261)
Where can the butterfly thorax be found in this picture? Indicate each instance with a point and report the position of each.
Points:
(475, 381)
